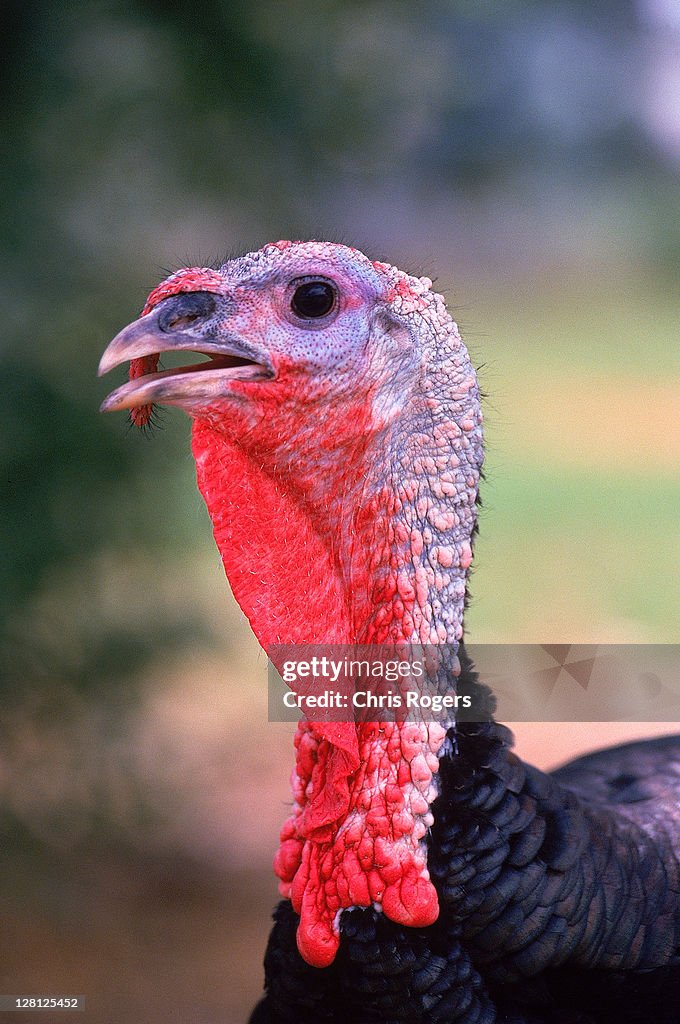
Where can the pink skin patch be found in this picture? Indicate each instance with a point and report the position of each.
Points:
(342, 495)
(373, 854)
(189, 279)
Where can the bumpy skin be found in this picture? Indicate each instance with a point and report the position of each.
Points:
(432, 876)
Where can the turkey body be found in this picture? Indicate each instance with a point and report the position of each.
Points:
(559, 896)
(338, 439)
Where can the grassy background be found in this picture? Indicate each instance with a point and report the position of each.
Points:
(579, 535)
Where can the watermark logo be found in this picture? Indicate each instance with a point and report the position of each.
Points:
(514, 682)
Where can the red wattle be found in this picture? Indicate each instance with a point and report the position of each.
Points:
(373, 854)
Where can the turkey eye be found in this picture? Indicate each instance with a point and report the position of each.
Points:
(313, 299)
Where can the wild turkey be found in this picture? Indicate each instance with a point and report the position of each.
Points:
(429, 874)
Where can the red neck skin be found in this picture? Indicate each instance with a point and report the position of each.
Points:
(364, 539)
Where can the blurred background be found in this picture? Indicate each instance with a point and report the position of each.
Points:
(524, 154)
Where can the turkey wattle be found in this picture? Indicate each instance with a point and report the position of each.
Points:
(431, 874)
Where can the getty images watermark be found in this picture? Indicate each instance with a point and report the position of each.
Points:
(512, 682)
(366, 680)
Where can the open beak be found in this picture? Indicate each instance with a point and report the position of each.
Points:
(175, 325)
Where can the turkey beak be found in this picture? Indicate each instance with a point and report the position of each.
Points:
(192, 322)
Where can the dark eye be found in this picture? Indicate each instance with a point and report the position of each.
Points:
(313, 299)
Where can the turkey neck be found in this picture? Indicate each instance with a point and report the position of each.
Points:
(367, 538)
(355, 524)
(410, 541)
